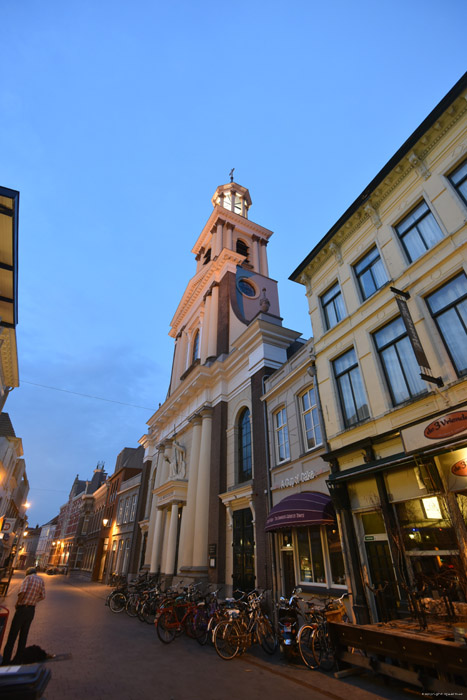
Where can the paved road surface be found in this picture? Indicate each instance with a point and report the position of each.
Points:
(115, 657)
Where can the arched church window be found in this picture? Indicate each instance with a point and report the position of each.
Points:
(244, 446)
(195, 353)
(242, 248)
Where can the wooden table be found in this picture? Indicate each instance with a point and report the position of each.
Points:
(428, 659)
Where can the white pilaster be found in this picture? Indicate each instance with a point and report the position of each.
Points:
(188, 520)
(200, 541)
(212, 342)
(205, 333)
(157, 543)
(264, 259)
(172, 540)
(255, 254)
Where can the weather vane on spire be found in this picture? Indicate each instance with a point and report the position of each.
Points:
(231, 174)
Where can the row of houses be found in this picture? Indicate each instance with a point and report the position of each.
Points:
(337, 463)
(14, 484)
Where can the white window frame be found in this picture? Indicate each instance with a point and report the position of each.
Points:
(281, 434)
(303, 412)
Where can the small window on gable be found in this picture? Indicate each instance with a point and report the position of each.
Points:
(242, 249)
(207, 257)
(195, 353)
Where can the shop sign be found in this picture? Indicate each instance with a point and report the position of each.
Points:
(9, 524)
(459, 468)
(447, 426)
(298, 479)
(436, 430)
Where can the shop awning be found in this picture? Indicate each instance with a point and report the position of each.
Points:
(300, 510)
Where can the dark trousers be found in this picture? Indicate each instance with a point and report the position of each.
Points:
(20, 624)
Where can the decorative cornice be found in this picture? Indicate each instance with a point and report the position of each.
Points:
(198, 286)
(386, 182)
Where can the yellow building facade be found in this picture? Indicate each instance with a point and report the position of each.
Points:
(387, 295)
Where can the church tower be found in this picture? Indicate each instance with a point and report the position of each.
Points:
(206, 509)
(230, 287)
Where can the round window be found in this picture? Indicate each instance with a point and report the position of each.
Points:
(246, 288)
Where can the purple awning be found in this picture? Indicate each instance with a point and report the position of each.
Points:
(301, 509)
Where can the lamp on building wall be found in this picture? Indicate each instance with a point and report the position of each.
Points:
(105, 522)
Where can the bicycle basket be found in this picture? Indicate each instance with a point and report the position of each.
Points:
(336, 615)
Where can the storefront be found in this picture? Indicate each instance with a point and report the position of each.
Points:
(408, 519)
(307, 544)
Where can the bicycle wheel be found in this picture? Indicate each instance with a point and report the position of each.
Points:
(305, 646)
(166, 626)
(148, 612)
(117, 602)
(322, 649)
(227, 639)
(189, 623)
(201, 626)
(266, 636)
(131, 607)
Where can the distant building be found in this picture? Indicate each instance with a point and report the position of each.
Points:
(26, 554)
(14, 489)
(115, 541)
(44, 545)
(68, 546)
(387, 295)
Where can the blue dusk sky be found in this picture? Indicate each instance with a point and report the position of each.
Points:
(118, 122)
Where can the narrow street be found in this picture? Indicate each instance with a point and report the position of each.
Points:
(119, 658)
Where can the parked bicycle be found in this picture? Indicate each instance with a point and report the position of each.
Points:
(247, 625)
(314, 643)
(177, 615)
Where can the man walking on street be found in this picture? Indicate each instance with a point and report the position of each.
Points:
(31, 591)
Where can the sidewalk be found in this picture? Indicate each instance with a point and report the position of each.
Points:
(114, 657)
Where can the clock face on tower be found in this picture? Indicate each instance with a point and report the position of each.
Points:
(246, 288)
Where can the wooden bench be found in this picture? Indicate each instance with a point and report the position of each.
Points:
(431, 663)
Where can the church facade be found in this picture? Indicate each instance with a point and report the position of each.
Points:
(207, 501)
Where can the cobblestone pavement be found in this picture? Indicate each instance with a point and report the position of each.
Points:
(115, 657)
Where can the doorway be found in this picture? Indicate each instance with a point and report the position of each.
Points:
(243, 551)
(383, 580)
(288, 572)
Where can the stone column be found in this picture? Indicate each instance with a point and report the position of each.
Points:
(212, 340)
(205, 332)
(172, 540)
(157, 543)
(255, 259)
(188, 520)
(220, 235)
(200, 541)
(230, 230)
(264, 258)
